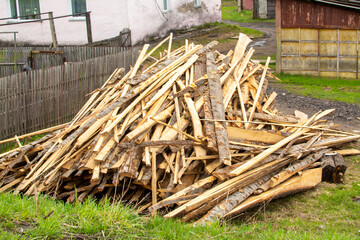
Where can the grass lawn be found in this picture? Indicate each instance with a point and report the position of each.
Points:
(229, 12)
(344, 90)
(327, 212)
(11, 145)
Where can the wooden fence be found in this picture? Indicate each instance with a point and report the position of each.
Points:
(12, 59)
(34, 100)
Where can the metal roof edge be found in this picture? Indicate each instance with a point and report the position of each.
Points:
(342, 4)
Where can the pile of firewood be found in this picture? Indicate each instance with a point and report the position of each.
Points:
(191, 135)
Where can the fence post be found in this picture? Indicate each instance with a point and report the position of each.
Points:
(88, 27)
(239, 7)
(15, 53)
(52, 29)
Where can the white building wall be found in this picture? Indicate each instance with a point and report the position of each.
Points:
(108, 18)
(146, 17)
(263, 9)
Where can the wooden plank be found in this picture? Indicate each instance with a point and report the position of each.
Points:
(197, 126)
(232, 85)
(183, 192)
(267, 152)
(295, 168)
(161, 116)
(269, 101)
(218, 110)
(180, 71)
(308, 179)
(240, 48)
(260, 89)
(236, 133)
(228, 187)
(348, 152)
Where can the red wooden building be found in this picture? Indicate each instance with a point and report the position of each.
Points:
(247, 4)
(318, 37)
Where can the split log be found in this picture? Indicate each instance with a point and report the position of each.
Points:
(218, 110)
(334, 167)
(129, 167)
(208, 125)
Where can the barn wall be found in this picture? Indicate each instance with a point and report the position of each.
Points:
(248, 4)
(317, 39)
(309, 14)
(320, 52)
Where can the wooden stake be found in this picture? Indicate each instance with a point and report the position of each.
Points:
(153, 181)
(169, 48)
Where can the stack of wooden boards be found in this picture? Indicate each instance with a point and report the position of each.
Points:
(191, 135)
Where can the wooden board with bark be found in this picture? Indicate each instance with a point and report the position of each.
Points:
(190, 134)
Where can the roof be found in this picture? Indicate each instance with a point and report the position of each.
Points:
(354, 4)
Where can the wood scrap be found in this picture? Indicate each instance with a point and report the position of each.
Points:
(192, 135)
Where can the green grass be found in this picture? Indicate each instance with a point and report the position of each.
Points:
(11, 145)
(327, 212)
(221, 28)
(344, 90)
(229, 12)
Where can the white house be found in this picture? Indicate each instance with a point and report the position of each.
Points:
(108, 18)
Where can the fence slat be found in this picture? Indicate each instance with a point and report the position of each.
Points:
(12, 59)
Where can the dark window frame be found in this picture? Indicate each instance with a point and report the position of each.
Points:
(77, 8)
(17, 11)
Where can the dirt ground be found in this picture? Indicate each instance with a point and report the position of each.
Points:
(264, 46)
(347, 115)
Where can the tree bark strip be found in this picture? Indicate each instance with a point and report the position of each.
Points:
(218, 110)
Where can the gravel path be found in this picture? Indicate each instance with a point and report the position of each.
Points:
(347, 115)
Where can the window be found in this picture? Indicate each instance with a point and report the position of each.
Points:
(78, 6)
(197, 3)
(25, 9)
(166, 5)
